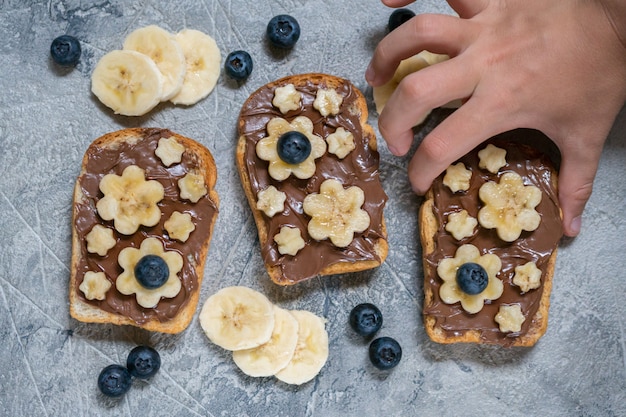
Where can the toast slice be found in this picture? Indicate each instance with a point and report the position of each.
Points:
(158, 198)
(443, 231)
(333, 114)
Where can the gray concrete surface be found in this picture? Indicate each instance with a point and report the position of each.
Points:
(49, 362)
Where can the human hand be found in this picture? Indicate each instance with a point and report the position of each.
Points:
(558, 67)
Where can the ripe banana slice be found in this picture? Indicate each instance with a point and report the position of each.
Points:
(408, 66)
(128, 82)
(203, 64)
(167, 54)
(271, 357)
(311, 351)
(237, 318)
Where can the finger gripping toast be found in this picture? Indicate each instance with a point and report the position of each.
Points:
(489, 229)
(143, 215)
(308, 163)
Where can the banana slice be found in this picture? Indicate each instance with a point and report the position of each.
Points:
(509, 206)
(167, 54)
(311, 351)
(128, 82)
(271, 357)
(408, 66)
(237, 318)
(203, 63)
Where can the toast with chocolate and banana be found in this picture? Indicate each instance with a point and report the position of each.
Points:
(144, 208)
(490, 226)
(308, 163)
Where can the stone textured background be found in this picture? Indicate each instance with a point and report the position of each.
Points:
(49, 363)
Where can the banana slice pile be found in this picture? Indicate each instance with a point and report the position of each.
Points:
(266, 340)
(155, 65)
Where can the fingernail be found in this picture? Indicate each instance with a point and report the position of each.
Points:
(575, 225)
(370, 75)
(393, 150)
(417, 190)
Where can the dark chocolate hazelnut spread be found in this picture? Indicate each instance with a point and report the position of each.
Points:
(102, 159)
(359, 168)
(537, 246)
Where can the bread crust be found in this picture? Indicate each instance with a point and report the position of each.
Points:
(381, 247)
(87, 312)
(429, 228)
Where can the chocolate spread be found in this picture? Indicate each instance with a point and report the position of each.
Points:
(102, 160)
(359, 168)
(537, 246)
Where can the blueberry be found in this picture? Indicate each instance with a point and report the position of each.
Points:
(65, 50)
(293, 147)
(283, 31)
(152, 271)
(238, 65)
(143, 362)
(471, 278)
(398, 17)
(366, 319)
(114, 381)
(385, 352)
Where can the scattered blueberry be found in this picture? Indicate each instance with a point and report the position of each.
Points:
(283, 31)
(398, 17)
(65, 50)
(143, 362)
(152, 271)
(366, 319)
(471, 278)
(238, 65)
(293, 147)
(114, 381)
(385, 353)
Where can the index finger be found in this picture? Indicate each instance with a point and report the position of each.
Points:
(420, 92)
(442, 34)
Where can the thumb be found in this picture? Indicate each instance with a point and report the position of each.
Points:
(576, 177)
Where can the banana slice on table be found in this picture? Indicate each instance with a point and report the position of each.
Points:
(167, 54)
(128, 82)
(203, 64)
(311, 351)
(271, 357)
(408, 66)
(237, 318)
